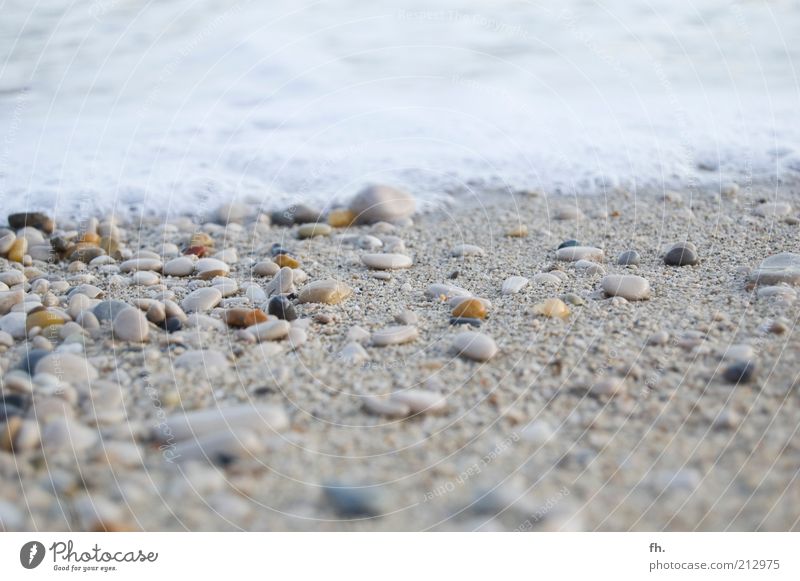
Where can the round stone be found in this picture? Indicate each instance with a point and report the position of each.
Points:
(181, 266)
(131, 325)
(446, 291)
(575, 253)
(681, 255)
(395, 335)
(386, 261)
(382, 203)
(145, 278)
(324, 291)
(470, 308)
(202, 299)
(628, 258)
(68, 367)
(282, 308)
(385, 407)
(547, 279)
(739, 372)
(475, 346)
(108, 310)
(281, 283)
(266, 268)
(628, 286)
(271, 330)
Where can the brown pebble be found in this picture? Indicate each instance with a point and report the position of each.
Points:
(341, 218)
(470, 308)
(240, 317)
(284, 260)
(18, 250)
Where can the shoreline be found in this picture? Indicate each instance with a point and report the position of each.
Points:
(617, 416)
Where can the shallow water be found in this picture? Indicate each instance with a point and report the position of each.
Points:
(177, 104)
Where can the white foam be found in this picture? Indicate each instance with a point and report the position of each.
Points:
(175, 106)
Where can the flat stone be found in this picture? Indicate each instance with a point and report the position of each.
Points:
(658, 338)
(739, 372)
(353, 353)
(67, 367)
(629, 286)
(513, 284)
(354, 502)
(382, 204)
(38, 220)
(263, 419)
(575, 253)
(135, 264)
(313, 229)
(14, 324)
(324, 291)
(628, 258)
(271, 330)
(181, 266)
(281, 282)
(421, 402)
(395, 335)
(681, 255)
(773, 209)
(386, 261)
(472, 308)
(242, 317)
(546, 278)
(740, 352)
(266, 268)
(568, 243)
(145, 278)
(464, 250)
(407, 317)
(385, 407)
(446, 291)
(470, 321)
(475, 346)
(567, 213)
(782, 268)
(202, 299)
(44, 318)
(207, 268)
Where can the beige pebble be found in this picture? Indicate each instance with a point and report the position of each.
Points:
(131, 325)
(261, 418)
(270, 330)
(382, 204)
(385, 407)
(266, 268)
(353, 353)
(68, 367)
(421, 402)
(513, 284)
(465, 250)
(313, 229)
(281, 283)
(448, 291)
(135, 264)
(202, 359)
(474, 345)
(628, 286)
(394, 335)
(386, 261)
(202, 299)
(324, 291)
(181, 266)
(575, 253)
(63, 434)
(211, 267)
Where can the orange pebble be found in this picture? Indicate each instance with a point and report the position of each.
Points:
(286, 260)
(472, 308)
(341, 218)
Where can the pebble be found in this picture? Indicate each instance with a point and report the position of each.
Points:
(470, 308)
(282, 308)
(552, 308)
(519, 231)
(658, 338)
(67, 367)
(324, 291)
(546, 278)
(513, 284)
(14, 324)
(131, 325)
(108, 310)
(782, 268)
(12, 277)
(270, 331)
(286, 261)
(628, 286)
(628, 258)
(784, 294)
(773, 209)
(145, 278)
(135, 264)
(358, 334)
(407, 317)
(386, 261)
(63, 434)
(43, 319)
(263, 419)
(181, 266)
(475, 346)
(353, 353)
(266, 268)
(446, 291)
(421, 402)
(312, 230)
(341, 218)
(575, 253)
(18, 250)
(740, 352)
(89, 290)
(608, 387)
(202, 359)
(567, 213)
(241, 317)
(463, 250)
(394, 335)
(382, 204)
(208, 268)
(354, 502)
(388, 407)
(681, 255)
(472, 322)
(172, 324)
(7, 242)
(281, 283)
(227, 286)
(739, 372)
(296, 337)
(568, 243)
(202, 299)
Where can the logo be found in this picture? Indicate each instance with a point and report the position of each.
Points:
(31, 554)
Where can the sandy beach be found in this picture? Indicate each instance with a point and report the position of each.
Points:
(202, 403)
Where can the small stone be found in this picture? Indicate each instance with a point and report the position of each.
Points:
(552, 308)
(421, 402)
(181, 266)
(518, 231)
(470, 308)
(263, 419)
(208, 268)
(312, 230)
(135, 264)
(739, 372)
(681, 255)
(628, 258)
(202, 299)
(18, 250)
(783, 268)
(282, 308)
(241, 317)
(172, 324)
(455, 321)
(513, 284)
(394, 335)
(281, 282)
(145, 278)
(324, 291)
(568, 243)
(202, 359)
(741, 352)
(358, 334)
(62, 434)
(108, 310)
(658, 338)
(386, 261)
(773, 209)
(407, 317)
(286, 261)
(6, 242)
(353, 353)
(227, 286)
(545, 278)
(354, 502)
(270, 331)
(385, 407)
(89, 290)
(777, 294)
(14, 324)
(266, 268)
(341, 218)
(38, 220)
(296, 337)
(629, 286)
(567, 213)
(608, 387)
(43, 319)
(575, 253)
(156, 312)
(463, 250)
(67, 367)
(382, 204)
(131, 325)
(446, 291)
(475, 346)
